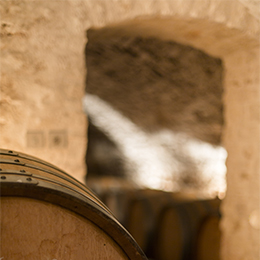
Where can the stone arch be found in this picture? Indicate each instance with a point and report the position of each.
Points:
(169, 91)
(228, 30)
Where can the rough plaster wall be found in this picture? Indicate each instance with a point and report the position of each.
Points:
(226, 29)
(241, 224)
(253, 7)
(42, 82)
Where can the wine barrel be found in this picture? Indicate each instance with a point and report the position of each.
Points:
(177, 228)
(143, 211)
(208, 239)
(47, 214)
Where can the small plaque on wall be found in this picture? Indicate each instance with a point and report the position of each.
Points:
(35, 139)
(58, 139)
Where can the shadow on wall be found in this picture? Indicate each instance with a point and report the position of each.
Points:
(103, 157)
(156, 113)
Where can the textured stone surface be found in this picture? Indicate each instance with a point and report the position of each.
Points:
(42, 82)
(241, 139)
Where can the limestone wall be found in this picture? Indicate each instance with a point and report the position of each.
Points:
(42, 82)
(43, 74)
(242, 134)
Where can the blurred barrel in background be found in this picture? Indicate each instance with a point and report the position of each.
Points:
(208, 239)
(168, 225)
(178, 228)
(143, 211)
(47, 214)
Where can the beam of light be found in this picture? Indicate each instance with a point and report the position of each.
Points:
(150, 165)
(153, 158)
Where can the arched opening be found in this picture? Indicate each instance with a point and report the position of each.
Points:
(155, 110)
(161, 103)
(237, 53)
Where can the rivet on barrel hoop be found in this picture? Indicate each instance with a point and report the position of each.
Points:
(3, 177)
(29, 179)
(22, 170)
(10, 151)
(16, 160)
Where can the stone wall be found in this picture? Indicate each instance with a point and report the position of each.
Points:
(42, 83)
(242, 135)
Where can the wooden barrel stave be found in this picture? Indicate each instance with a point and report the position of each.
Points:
(208, 238)
(65, 235)
(17, 186)
(178, 227)
(141, 210)
(29, 164)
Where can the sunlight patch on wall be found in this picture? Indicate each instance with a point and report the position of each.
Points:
(163, 160)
